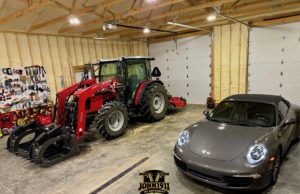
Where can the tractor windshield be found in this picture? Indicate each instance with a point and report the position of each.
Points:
(136, 73)
(108, 71)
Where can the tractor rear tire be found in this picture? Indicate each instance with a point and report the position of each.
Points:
(112, 120)
(154, 103)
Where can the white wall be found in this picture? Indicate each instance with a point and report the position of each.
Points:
(274, 61)
(185, 69)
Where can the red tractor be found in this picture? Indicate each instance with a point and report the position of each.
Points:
(111, 92)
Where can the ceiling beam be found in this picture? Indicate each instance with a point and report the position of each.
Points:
(61, 6)
(238, 12)
(253, 15)
(73, 6)
(272, 22)
(188, 2)
(178, 36)
(195, 17)
(131, 12)
(21, 12)
(78, 12)
(172, 13)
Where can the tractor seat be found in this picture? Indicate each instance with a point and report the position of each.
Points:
(133, 83)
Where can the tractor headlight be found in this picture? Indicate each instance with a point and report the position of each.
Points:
(183, 138)
(256, 153)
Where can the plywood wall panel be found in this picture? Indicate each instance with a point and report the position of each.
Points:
(47, 62)
(35, 50)
(56, 62)
(4, 59)
(85, 50)
(230, 52)
(244, 59)
(59, 54)
(65, 61)
(71, 51)
(12, 49)
(92, 50)
(78, 51)
(98, 48)
(23, 45)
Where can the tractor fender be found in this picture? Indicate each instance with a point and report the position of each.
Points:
(141, 89)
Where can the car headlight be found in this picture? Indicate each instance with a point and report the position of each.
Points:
(183, 138)
(256, 153)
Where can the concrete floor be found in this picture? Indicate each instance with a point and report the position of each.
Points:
(101, 160)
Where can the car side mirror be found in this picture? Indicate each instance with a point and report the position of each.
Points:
(206, 113)
(289, 121)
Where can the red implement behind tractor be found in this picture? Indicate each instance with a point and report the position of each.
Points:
(111, 92)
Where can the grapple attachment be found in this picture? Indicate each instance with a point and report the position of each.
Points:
(44, 145)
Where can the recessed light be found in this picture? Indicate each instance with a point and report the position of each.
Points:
(211, 17)
(151, 1)
(146, 30)
(74, 20)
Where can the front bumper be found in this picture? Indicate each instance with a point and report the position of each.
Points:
(222, 178)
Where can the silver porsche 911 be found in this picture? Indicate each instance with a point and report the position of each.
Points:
(241, 143)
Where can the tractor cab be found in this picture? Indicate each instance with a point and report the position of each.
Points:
(128, 71)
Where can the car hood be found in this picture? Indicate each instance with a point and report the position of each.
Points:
(222, 141)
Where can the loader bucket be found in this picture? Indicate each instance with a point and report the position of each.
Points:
(53, 146)
(46, 145)
(21, 138)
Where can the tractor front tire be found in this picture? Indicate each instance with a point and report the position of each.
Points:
(112, 120)
(154, 103)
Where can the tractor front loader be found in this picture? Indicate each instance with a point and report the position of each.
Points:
(111, 92)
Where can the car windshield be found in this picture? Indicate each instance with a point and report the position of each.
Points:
(245, 113)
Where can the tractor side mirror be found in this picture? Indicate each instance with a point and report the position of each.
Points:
(206, 113)
(156, 72)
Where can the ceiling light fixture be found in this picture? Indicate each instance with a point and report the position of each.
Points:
(110, 25)
(151, 1)
(146, 30)
(216, 11)
(211, 17)
(74, 20)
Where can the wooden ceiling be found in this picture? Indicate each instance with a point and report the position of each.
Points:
(52, 16)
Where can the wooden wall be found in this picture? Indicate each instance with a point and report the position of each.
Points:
(59, 53)
(230, 58)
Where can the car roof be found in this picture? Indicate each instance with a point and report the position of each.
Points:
(273, 99)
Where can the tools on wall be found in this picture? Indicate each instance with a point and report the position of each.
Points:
(24, 96)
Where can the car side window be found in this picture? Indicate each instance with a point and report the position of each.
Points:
(282, 110)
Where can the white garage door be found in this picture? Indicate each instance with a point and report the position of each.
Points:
(185, 69)
(274, 61)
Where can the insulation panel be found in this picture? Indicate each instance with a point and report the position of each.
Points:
(60, 53)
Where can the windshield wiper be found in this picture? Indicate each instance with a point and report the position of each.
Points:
(219, 121)
(248, 125)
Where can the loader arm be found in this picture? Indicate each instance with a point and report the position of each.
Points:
(89, 100)
(63, 95)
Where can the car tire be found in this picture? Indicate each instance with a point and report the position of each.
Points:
(276, 168)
